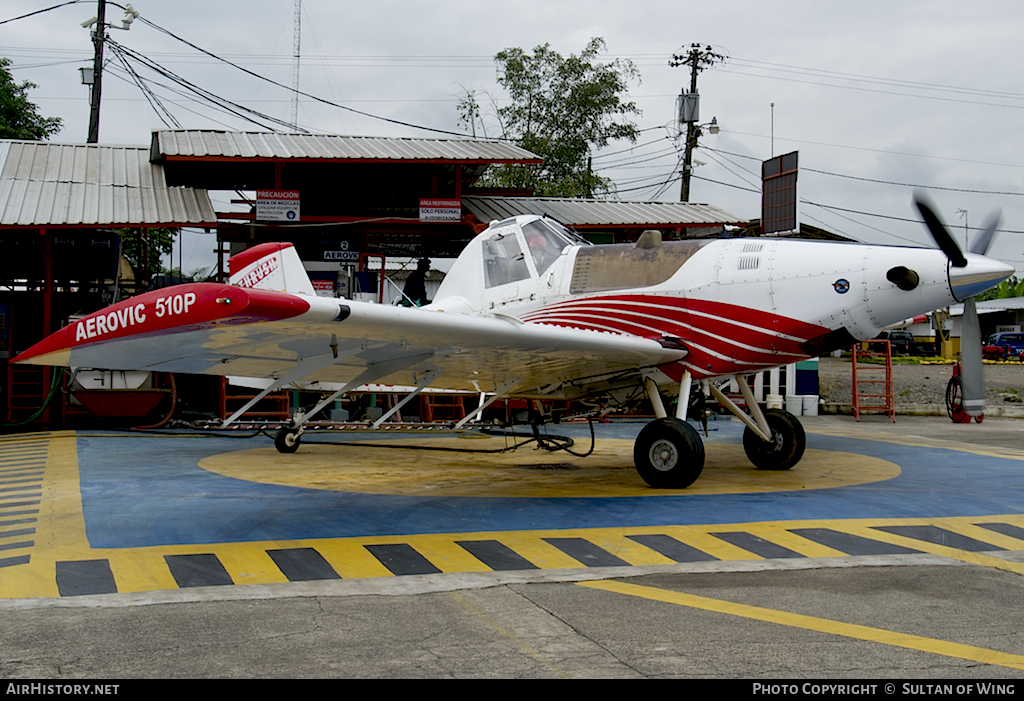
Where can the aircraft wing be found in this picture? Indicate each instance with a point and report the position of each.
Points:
(214, 329)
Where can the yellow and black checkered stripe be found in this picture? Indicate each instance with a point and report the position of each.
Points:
(44, 551)
(22, 470)
(170, 567)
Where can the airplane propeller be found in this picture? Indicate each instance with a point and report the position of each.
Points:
(971, 377)
(981, 244)
(943, 239)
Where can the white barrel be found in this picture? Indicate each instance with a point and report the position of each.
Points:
(810, 405)
(794, 404)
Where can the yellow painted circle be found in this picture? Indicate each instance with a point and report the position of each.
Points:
(403, 467)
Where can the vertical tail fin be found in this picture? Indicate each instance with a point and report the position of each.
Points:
(270, 266)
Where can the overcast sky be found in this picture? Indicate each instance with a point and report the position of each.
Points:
(876, 96)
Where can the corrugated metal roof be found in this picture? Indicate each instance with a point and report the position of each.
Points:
(44, 184)
(580, 212)
(262, 145)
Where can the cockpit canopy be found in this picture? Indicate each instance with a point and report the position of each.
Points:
(504, 260)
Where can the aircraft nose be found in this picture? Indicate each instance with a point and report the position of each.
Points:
(980, 274)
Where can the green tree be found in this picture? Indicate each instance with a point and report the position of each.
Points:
(19, 118)
(561, 109)
(1011, 287)
(144, 248)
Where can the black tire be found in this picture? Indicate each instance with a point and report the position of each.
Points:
(786, 448)
(669, 454)
(287, 439)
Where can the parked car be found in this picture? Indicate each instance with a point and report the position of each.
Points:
(1001, 346)
(900, 342)
(925, 349)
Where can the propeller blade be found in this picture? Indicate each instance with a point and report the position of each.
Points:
(943, 239)
(971, 373)
(981, 244)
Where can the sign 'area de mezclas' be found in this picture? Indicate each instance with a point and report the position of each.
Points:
(277, 205)
(778, 194)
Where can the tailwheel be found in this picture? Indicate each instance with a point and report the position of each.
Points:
(787, 444)
(669, 454)
(287, 439)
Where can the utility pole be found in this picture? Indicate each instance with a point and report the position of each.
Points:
(697, 58)
(98, 36)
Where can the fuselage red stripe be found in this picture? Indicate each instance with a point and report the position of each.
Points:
(682, 309)
(736, 346)
(722, 338)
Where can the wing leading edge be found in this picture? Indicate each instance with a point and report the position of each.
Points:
(212, 329)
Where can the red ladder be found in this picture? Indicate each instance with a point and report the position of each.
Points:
(443, 407)
(878, 386)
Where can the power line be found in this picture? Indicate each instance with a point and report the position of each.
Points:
(880, 92)
(860, 223)
(877, 80)
(39, 12)
(741, 177)
(299, 92)
(890, 217)
(882, 182)
(879, 150)
(633, 162)
(719, 182)
(630, 150)
(150, 96)
(180, 106)
(929, 187)
(238, 110)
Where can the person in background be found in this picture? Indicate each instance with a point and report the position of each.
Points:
(416, 286)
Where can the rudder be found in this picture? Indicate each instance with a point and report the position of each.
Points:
(270, 266)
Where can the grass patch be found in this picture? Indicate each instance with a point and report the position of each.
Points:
(902, 360)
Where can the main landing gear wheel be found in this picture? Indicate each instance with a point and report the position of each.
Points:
(669, 454)
(786, 447)
(287, 439)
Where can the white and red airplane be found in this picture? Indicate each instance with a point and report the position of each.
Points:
(530, 310)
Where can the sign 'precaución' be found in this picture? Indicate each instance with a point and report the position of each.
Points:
(277, 205)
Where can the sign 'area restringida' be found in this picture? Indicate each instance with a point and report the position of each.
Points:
(440, 209)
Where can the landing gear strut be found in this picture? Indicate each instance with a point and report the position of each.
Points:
(669, 453)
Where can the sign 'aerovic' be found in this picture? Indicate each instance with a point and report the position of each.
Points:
(277, 205)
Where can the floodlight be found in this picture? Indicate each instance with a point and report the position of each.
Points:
(130, 15)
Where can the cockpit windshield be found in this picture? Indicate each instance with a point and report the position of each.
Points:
(545, 244)
(569, 235)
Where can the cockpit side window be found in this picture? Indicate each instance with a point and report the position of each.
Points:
(503, 259)
(545, 245)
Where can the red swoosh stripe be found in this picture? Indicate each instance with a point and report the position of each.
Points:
(723, 338)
